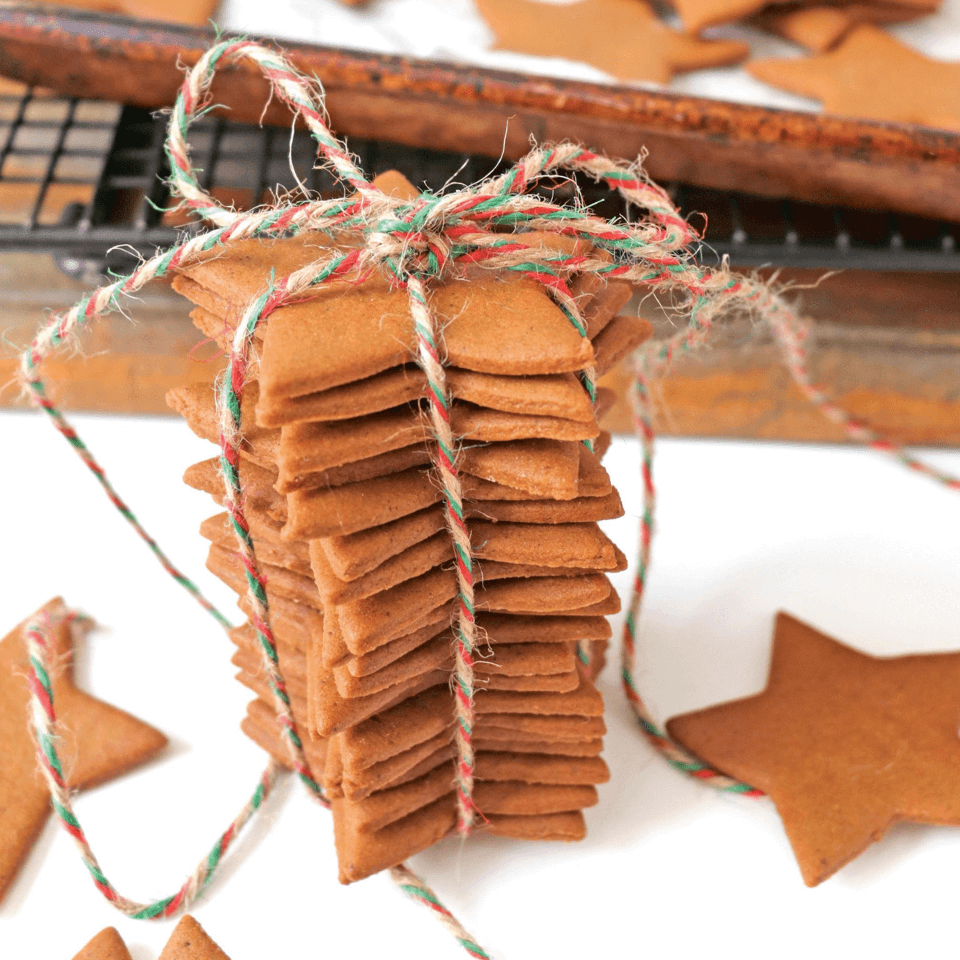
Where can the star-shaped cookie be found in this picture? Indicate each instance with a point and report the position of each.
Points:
(622, 37)
(820, 28)
(189, 941)
(845, 744)
(98, 742)
(872, 75)
(699, 14)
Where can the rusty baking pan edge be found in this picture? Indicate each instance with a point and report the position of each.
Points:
(711, 143)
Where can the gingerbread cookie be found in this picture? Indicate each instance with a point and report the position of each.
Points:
(699, 14)
(873, 75)
(819, 29)
(189, 941)
(845, 744)
(106, 945)
(194, 12)
(344, 510)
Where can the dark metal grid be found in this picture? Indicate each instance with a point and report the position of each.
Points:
(52, 152)
(52, 160)
(246, 165)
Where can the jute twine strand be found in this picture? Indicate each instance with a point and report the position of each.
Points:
(413, 242)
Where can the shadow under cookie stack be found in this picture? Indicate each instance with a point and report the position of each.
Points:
(349, 529)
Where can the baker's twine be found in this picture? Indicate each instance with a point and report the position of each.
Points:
(416, 889)
(413, 242)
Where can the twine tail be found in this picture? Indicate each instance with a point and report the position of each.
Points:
(673, 752)
(416, 889)
(37, 393)
(791, 336)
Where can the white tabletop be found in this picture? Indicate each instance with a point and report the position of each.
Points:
(841, 538)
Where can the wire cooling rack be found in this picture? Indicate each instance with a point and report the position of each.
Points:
(84, 180)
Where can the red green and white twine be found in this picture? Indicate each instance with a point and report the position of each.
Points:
(428, 354)
(428, 357)
(673, 752)
(230, 440)
(416, 889)
(413, 243)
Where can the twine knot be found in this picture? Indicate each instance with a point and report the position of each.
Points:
(413, 238)
(405, 247)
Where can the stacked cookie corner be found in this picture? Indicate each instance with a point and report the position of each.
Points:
(349, 529)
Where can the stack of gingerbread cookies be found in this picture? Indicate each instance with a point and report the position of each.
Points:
(344, 508)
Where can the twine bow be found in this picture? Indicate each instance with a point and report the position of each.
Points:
(414, 243)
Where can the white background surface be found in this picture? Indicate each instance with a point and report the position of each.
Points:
(842, 538)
